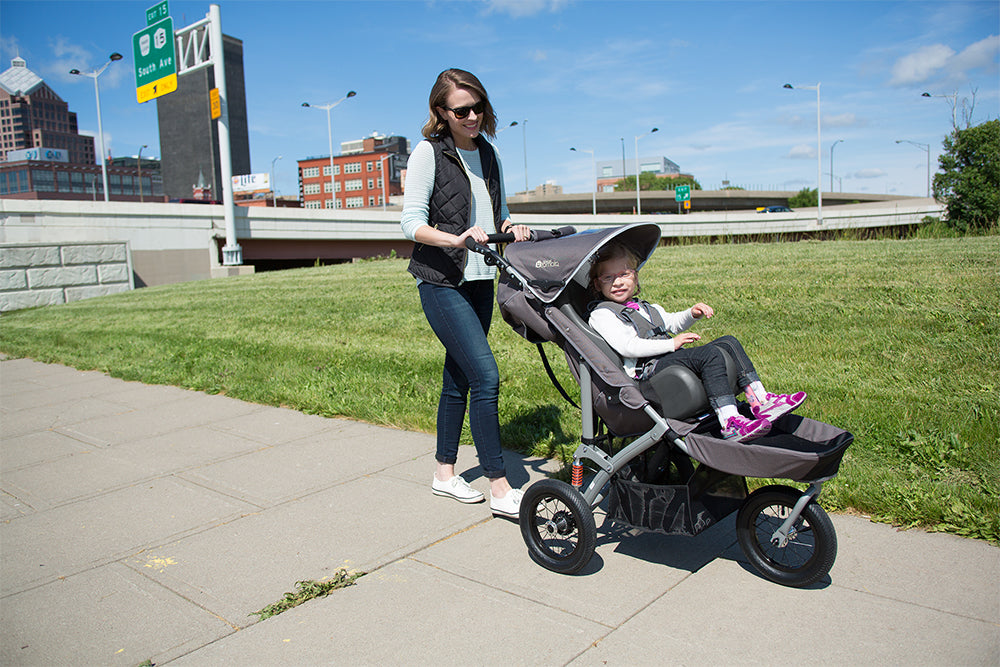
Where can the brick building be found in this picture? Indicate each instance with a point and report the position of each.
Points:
(357, 174)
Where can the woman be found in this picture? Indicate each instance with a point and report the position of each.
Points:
(454, 191)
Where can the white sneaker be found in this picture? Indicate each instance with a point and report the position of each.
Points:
(508, 506)
(457, 488)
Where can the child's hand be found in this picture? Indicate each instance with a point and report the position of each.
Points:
(680, 340)
(700, 310)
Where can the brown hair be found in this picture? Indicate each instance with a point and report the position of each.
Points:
(610, 252)
(436, 127)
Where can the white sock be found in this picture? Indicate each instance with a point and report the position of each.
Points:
(724, 412)
(755, 392)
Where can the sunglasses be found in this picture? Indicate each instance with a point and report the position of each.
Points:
(462, 112)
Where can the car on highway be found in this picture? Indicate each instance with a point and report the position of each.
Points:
(773, 209)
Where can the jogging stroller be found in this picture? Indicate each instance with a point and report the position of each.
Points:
(653, 448)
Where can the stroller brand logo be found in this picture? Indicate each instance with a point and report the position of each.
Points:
(546, 264)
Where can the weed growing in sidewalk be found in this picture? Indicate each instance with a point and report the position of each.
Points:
(308, 590)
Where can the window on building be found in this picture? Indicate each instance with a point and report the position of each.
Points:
(650, 166)
(43, 180)
(310, 172)
(354, 202)
(371, 201)
(311, 189)
(352, 185)
(607, 172)
(352, 168)
(379, 186)
(313, 203)
(371, 166)
(371, 183)
(329, 203)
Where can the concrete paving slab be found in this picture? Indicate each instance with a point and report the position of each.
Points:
(627, 572)
(20, 422)
(12, 508)
(78, 536)
(275, 426)
(720, 616)
(291, 470)
(33, 395)
(107, 616)
(193, 410)
(36, 447)
(82, 474)
(242, 566)
(413, 614)
(185, 449)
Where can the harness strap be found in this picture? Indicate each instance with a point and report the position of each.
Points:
(552, 376)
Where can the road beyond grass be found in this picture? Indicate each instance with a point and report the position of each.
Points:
(894, 340)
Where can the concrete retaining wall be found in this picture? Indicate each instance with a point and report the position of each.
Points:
(46, 274)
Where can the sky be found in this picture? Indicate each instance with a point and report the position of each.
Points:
(588, 74)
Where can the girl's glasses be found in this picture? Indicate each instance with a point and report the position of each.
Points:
(462, 112)
(609, 279)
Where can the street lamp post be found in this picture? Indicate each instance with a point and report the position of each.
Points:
(594, 160)
(923, 147)
(329, 131)
(274, 190)
(100, 129)
(138, 164)
(819, 152)
(834, 145)
(638, 202)
(954, 106)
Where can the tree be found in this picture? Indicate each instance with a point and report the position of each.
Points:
(806, 198)
(968, 183)
(650, 181)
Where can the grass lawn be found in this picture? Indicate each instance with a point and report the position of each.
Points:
(896, 341)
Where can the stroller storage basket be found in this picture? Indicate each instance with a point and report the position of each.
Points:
(676, 509)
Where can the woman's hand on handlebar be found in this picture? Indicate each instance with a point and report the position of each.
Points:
(477, 234)
(520, 232)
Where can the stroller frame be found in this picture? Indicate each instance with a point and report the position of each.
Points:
(782, 530)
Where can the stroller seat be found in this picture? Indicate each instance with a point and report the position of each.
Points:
(676, 391)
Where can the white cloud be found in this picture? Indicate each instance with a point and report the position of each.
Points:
(920, 65)
(841, 120)
(521, 8)
(802, 152)
(869, 173)
(930, 61)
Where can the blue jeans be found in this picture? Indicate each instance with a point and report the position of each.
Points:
(708, 364)
(460, 317)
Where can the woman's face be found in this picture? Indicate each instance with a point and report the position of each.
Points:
(463, 130)
(616, 280)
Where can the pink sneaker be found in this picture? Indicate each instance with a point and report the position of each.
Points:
(742, 429)
(776, 405)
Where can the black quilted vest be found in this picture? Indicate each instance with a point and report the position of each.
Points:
(449, 210)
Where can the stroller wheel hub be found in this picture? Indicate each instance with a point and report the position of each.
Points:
(561, 523)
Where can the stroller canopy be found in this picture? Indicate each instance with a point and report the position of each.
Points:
(549, 265)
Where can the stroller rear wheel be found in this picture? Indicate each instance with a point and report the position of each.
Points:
(810, 550)
(558, 526)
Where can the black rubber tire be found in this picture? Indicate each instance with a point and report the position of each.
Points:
(558, 526)
(811, 549)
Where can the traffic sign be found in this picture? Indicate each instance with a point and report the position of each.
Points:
(155, 64)
(682, 193)
(157, 13)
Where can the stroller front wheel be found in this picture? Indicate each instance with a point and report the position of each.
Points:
(810, 550)
(557, 526)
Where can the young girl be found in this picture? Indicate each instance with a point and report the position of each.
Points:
(641, 333)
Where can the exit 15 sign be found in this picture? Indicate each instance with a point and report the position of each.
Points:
(155, 65)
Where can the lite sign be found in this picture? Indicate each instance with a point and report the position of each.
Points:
(155, 64)
(40, 154)
(251, 183)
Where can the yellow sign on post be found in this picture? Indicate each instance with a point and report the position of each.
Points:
(213, 97)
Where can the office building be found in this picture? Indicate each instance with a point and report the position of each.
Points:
(189, 137)
(357, 174)
(609, 172)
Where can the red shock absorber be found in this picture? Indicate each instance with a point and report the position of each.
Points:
(577, 478)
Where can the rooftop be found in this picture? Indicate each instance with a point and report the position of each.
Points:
(19, 80)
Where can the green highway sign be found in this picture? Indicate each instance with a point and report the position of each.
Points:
(682, 193)
(153, 55)
(157, 13)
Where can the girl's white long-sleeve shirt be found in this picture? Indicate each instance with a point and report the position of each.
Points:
(416, 200)
(625, 340)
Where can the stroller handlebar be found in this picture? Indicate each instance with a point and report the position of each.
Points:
(536, 235)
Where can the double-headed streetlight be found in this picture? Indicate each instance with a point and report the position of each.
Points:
(274, 188)
(923, 147)
(100, 129)
(819, 152)
(138, 163)
(834, 145)
(638, 202)
(594, 159)
(329, 131)
(954, 106)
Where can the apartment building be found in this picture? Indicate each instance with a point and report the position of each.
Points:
(366, 174)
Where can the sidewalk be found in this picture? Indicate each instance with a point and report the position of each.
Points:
(149, 523)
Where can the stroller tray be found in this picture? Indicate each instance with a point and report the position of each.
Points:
(676, 509)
